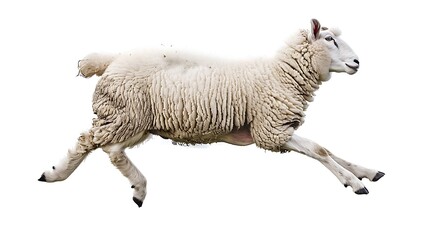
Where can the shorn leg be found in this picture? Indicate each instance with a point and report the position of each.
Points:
(359, 171)
(120, 160)
(74, 158)
(313, 150)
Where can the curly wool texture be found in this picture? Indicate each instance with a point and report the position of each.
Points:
(195, 100)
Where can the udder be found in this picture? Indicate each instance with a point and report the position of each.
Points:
(240, 137)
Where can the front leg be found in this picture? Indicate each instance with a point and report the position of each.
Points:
(358, 171)
(314, 150)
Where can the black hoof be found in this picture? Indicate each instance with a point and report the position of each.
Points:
(137, 201)
(132, 186)
(345, 185)
(378, 176)
(362, 191)
(42, 178)
(53, 167)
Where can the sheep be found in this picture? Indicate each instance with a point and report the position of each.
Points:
(194, 100)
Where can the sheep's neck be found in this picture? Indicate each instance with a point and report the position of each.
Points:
(301, 79)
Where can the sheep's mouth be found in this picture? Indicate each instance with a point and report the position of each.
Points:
(352, 68)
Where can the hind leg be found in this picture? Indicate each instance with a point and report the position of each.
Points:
(120, 160)
(74, 158)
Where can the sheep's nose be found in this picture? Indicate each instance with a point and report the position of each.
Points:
(356, 61)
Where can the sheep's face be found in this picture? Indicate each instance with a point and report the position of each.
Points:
(343, 59)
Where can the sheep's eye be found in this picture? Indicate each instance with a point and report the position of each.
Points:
(329, 38)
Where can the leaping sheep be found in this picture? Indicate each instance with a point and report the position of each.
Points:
(195, 100)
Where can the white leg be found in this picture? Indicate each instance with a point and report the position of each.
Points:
(74, 158)
(120, 160)
(359, 171)
(313, 150)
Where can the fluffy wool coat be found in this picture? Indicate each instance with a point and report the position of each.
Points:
(193, 100)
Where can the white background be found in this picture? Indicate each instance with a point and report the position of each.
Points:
(376, 118)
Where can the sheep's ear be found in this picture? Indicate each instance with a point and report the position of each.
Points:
(315, 29)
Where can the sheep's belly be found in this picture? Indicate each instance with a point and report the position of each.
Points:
(241, 137)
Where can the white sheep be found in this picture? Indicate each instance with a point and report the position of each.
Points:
(196, 101)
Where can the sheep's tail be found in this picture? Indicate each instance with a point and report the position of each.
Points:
(95, 63)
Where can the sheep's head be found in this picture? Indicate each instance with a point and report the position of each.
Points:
(343, 59)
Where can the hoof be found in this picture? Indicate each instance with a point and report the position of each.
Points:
(132, 186)
(362, 191)
(42, 178)
(137, 201)
(378, 176)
